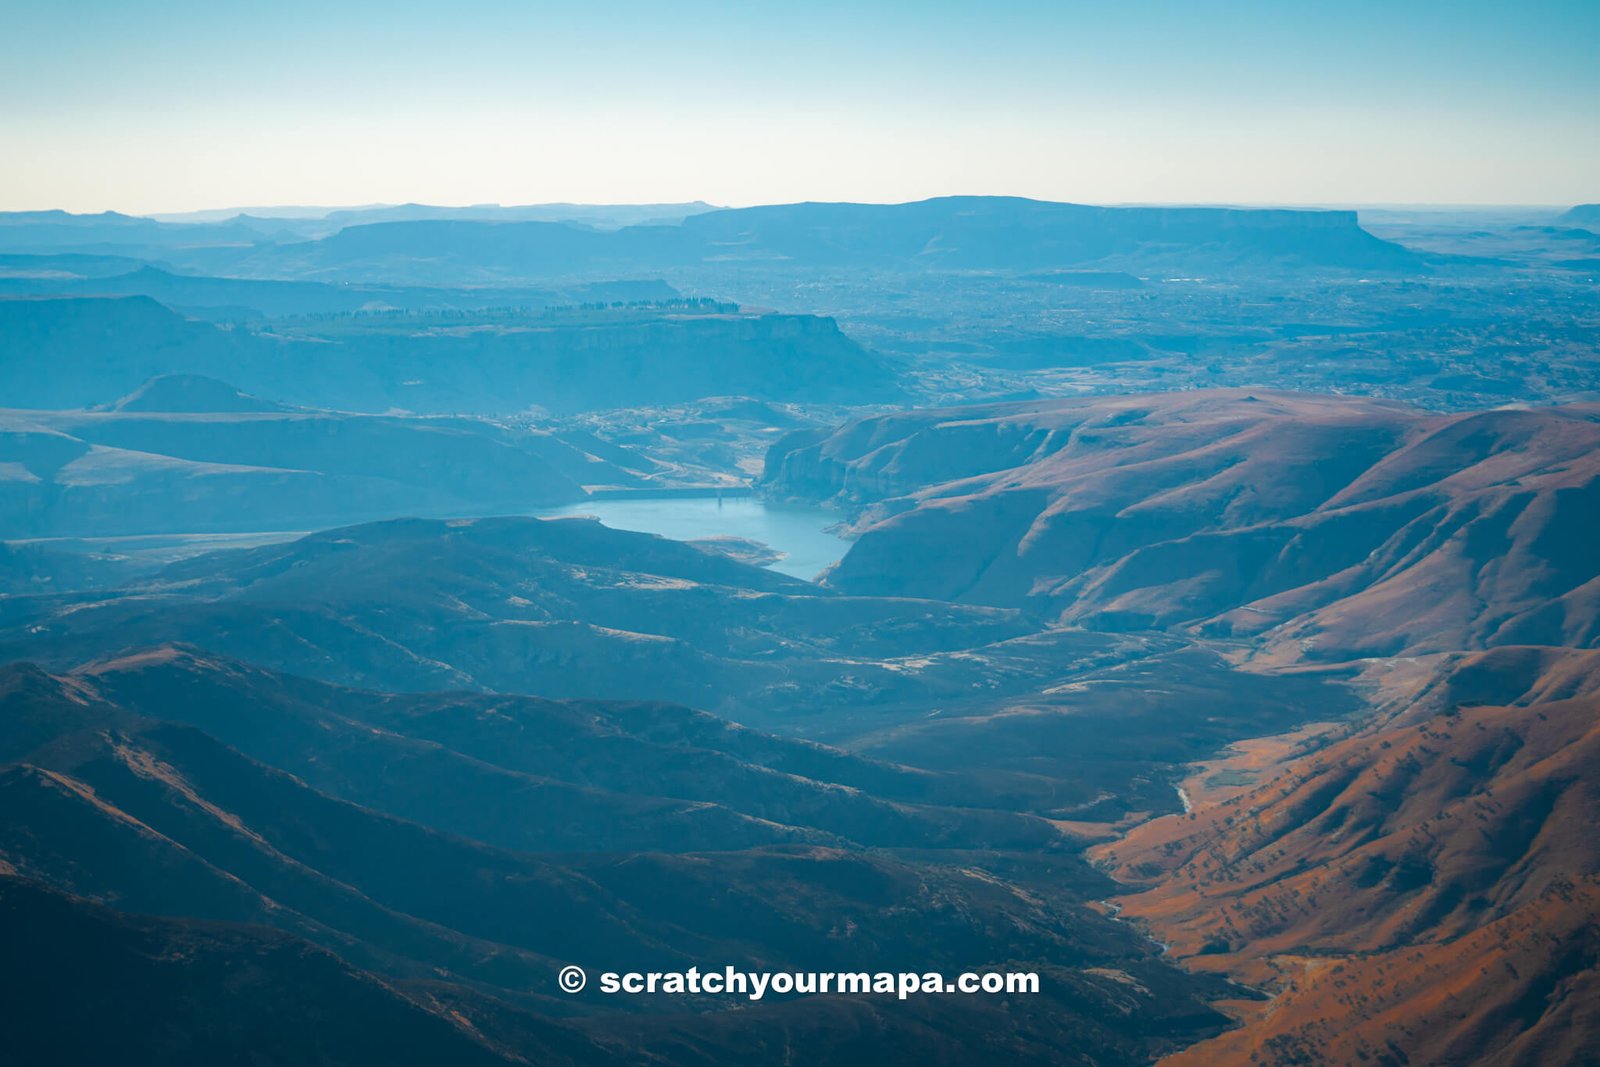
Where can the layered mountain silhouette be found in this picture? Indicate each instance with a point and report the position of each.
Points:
(946, 233)
(547, 776)
(1052, 721)
(950, 233)
(107, 799)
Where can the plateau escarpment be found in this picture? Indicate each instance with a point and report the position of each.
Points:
(990, 233)
(69, 352)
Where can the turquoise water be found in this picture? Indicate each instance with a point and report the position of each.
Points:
(800, 533)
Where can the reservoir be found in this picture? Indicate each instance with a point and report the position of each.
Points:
(800, 533)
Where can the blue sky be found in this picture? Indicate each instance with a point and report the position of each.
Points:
(175, 105)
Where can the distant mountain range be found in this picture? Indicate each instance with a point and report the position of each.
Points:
(950, 233)
(319, 220)
(955, 233)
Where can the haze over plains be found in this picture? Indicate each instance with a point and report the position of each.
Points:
(145, 107)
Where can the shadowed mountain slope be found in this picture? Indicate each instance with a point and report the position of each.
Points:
(99, 799)
(85, 984)
(100, 985)
(547, 775)
(189, 454)
(162, 817)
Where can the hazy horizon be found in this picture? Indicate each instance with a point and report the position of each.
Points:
(164, 108)
(310, 211)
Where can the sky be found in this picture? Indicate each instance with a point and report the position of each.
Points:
(144, 106)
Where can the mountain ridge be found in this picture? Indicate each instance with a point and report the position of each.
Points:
(1293, 521)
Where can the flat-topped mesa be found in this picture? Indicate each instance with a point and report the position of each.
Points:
(1012, 232)
(1242, 218)
(948, 233)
